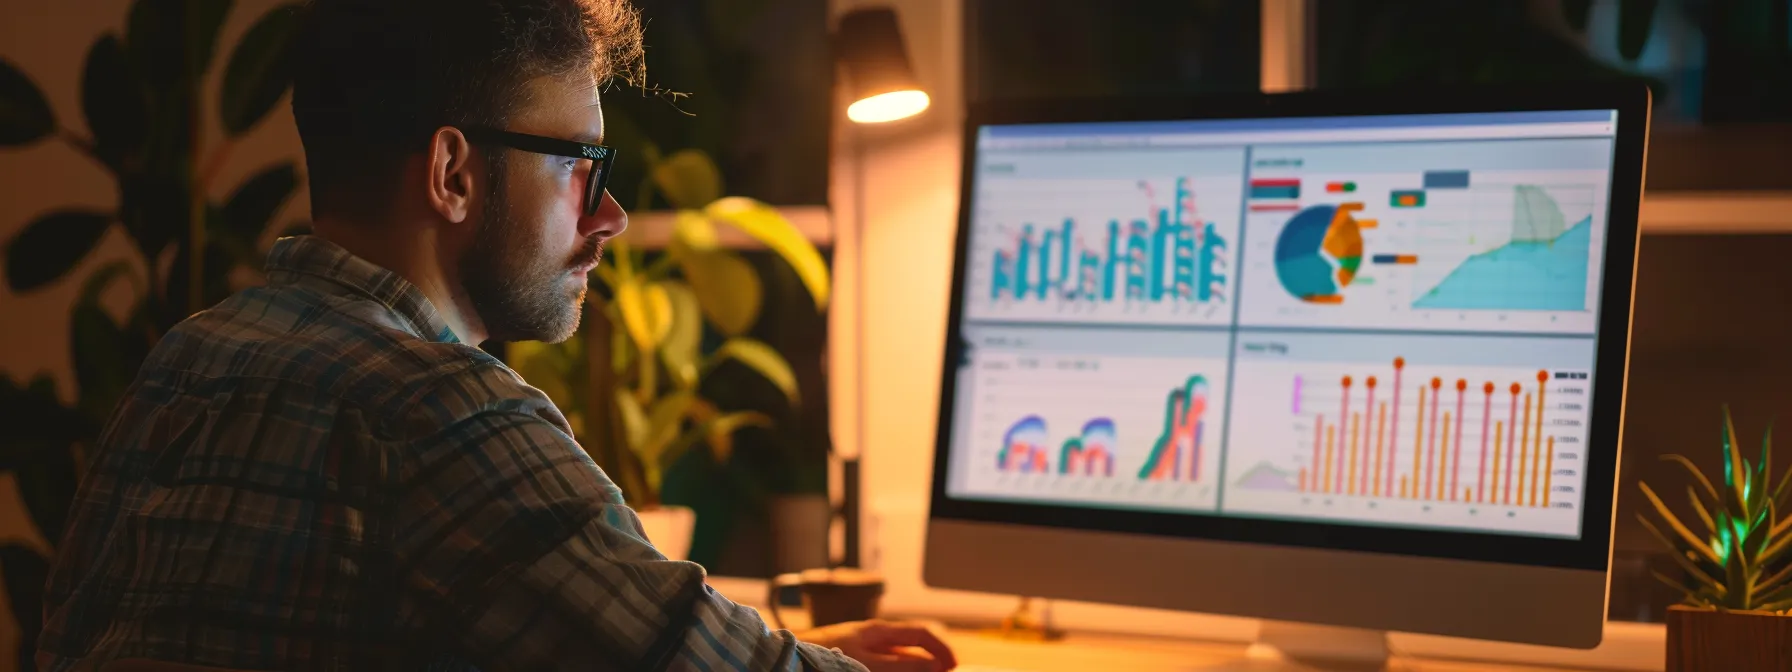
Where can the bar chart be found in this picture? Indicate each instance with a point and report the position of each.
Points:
(1137, 250)
(1408, 441)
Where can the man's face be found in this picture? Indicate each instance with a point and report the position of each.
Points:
(533, 245)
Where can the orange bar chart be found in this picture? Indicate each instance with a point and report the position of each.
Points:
(1499, 452)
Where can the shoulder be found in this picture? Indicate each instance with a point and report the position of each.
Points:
(352, 351)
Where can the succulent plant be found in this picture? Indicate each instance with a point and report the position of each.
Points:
(1736, 555)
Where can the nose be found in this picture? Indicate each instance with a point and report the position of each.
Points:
(608, 222)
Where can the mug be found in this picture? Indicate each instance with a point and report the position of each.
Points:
(831, 595)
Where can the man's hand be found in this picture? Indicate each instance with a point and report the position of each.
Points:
(884, 646)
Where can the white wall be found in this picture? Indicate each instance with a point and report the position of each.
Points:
(49, 42)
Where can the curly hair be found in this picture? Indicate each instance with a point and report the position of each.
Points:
(373, 78)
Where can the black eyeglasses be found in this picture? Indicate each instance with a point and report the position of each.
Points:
(601, 157)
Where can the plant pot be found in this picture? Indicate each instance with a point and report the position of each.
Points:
(670, 529)
(800, 531)
(1711, 639)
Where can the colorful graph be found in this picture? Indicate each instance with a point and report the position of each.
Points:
(1510, 455)
(1091, 454)
(1023, 447)
(1543, 267)
(1174, 256)
(1320, 250)
(1176, 455)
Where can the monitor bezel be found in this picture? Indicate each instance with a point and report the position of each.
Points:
(1590, 551)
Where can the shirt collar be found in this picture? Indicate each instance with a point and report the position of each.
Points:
(294, 259)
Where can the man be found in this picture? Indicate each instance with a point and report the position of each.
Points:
(326, 473)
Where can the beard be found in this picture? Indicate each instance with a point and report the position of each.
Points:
(516, 288)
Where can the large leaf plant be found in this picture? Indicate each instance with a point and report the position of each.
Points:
(142, 97)
(646, 324)
(1737, 553)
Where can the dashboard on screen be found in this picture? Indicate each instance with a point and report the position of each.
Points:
(1375, 320)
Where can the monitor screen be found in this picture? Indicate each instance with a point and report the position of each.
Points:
(1385, 321)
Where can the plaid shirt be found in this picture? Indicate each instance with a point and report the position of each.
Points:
(316, 474)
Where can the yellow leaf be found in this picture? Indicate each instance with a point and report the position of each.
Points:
(646, 312)
(766, 224)
(634, 420)
(688, 178)
(727, 289)
(679, 351)
(665, 419)
(762, 358)
(692, 231)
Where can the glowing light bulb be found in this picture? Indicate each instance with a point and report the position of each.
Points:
(888, 107)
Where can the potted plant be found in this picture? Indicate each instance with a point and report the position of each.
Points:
(1738, 577)
(142, 97)
(631, 388)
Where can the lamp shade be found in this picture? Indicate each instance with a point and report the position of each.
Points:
(880, 80)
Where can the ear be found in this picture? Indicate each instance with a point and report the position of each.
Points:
(451, 174)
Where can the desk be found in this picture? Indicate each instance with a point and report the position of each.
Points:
(980, 652)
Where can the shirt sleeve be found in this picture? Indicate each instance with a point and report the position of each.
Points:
(515, 550)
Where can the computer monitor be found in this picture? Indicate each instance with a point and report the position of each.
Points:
(1353, 359)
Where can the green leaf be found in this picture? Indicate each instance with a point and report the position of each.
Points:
(51, 245)
(1739, 592)
(759, 357)
(256, 201)
(688, 179)
(25, 115)
(1775, 583)
(646, 312)
(766, 224)
(1698, 545)
(1679, 556)
(115, 103)
(260, 69)
(1698, 477)
(1771, 554)
(1735, 470)
(680, 349)
(1699, 507)
(1780, 528)
(727, 288)
(25, 574)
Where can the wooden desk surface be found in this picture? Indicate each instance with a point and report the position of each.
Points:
(983, 651)
(979, 652)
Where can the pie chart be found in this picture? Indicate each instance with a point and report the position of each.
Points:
(1319, 252)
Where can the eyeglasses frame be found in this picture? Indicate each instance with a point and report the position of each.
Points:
(602, 158)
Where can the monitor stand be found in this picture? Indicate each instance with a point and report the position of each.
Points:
(1282, 645)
